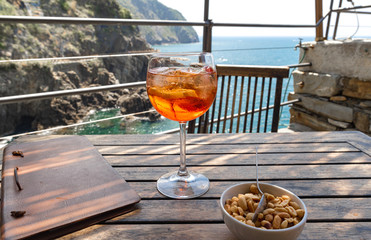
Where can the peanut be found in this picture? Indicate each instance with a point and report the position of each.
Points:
(249, 222)
(284, 224)
(269, 217)
(270, 205)
(242, 202)
(269, 197)
(250, 206)
(283, 215)
(254, 189)
(285, 202)
(234, 209)
(240, 218)
(280, 211)
(292, 211)
(249, 216)
(300, 213)
(277, 222)
(266, 224)
(285, 197)
(256, 205)
(227, 207)
(240, 211)
(294, 205)
(256, 198)
(268, 211)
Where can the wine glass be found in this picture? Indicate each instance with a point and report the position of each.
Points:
(182, 87)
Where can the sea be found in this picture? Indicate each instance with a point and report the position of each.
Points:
(275, 51)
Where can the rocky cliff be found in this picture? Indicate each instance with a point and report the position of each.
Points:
(152, 9)
(21, 41)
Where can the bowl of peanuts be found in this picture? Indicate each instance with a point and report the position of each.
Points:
(283, 218)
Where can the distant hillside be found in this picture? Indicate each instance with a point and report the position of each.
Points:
(55, 40)
(152, 9)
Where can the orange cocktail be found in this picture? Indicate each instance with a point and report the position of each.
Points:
(181, 94)
(182, 87)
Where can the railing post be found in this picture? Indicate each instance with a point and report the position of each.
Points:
(206, 46)
(329, 20)
(337, 21)
(319, 28)
(203, 121)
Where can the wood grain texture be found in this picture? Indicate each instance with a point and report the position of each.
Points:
(302, 188)
(330, 171)
(248, 173)
(328, 231)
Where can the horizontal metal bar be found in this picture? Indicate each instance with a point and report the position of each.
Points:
(118, 21)
(300, 65)
(8, 138)
(52, 94)
(77, 57)
(95, 21)
(350, 8)
(263, 25)
(356, 12)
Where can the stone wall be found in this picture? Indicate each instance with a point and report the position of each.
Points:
(335, 92)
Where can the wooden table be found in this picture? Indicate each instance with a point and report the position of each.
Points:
(330, 171)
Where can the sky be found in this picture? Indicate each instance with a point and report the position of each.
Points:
(300, 12)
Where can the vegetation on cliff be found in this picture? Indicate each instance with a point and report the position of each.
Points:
(48, 40)
(152, 9)
(23, 41)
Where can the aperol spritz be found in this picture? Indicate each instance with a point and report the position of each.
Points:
(182, 87)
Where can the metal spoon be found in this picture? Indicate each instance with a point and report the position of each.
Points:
(263, 200)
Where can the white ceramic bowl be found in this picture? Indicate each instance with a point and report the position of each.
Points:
(246, 232)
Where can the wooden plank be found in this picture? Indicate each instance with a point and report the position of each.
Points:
(303, 188)
(228, 148)
(241, 159)
(249, 138)
(208, 211)
(254, 70)
(248, 172)
(323, 230)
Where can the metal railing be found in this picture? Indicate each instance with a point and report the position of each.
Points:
(207, 24)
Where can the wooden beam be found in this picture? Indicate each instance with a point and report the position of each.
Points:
(319, 15)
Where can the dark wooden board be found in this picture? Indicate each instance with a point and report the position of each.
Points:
(66, 185)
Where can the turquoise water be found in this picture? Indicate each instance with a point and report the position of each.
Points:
(277, 51)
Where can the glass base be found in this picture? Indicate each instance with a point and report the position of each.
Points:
(183, 187)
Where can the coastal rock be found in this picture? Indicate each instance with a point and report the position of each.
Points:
(137, 102)
(34, 78)
(22, 41)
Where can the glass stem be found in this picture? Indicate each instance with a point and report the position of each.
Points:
(183, 168)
